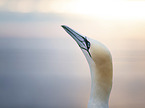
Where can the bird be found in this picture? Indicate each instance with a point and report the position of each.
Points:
(100, 63)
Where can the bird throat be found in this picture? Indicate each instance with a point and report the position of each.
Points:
(101, 84)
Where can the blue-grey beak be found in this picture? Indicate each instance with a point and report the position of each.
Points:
(80, 39)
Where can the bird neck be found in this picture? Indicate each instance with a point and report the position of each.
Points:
(101, 84)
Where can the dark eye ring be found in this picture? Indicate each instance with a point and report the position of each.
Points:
(87, 43)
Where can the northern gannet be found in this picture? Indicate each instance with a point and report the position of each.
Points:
(100, 63)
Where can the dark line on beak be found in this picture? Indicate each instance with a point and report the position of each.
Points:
(74, 35)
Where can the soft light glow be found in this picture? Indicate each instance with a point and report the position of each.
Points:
(23, 4)
(2, 2)
(105, 9)
(43, 6)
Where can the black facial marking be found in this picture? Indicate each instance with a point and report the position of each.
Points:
(88, 45)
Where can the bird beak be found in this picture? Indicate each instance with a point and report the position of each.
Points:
(81, 40)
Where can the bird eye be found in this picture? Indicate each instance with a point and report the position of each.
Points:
(88, 44)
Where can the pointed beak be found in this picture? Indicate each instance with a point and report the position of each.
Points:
(81, 40)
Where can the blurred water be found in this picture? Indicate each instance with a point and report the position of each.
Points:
(48, 73)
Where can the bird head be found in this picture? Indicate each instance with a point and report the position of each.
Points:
(93, 50)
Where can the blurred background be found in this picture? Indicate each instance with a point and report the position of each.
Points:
(41, 66)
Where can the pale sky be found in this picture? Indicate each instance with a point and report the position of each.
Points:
(41, 18)
(98, 8)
